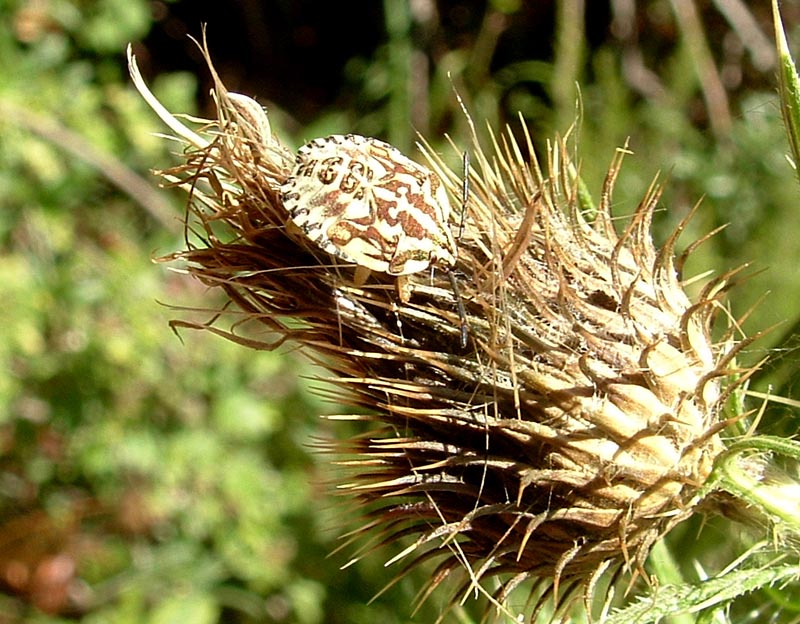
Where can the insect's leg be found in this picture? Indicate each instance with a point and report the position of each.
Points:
(361, 275)
(462, 314)
(403, 286)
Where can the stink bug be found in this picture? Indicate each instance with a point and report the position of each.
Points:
(364, 201)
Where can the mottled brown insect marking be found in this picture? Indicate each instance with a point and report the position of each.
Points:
(362, 200)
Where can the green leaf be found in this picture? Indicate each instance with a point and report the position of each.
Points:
(195, 608)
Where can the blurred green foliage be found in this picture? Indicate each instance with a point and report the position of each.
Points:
(145, 478)
(176, 477)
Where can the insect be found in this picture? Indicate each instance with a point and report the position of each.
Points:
(364, 201)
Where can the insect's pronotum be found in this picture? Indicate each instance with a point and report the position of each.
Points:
(364, 201)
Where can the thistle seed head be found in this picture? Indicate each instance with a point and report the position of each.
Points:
(575, 428)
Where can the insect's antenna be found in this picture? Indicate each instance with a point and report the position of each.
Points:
(462, 314)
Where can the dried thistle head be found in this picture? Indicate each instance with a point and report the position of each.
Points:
(575, 428)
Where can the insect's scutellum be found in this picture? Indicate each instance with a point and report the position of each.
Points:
(364, 201)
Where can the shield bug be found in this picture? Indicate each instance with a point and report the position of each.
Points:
(364, 201)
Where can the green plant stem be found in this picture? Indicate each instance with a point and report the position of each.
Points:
(570, 37)
(398, 28)
(789, 86)
(779, 499)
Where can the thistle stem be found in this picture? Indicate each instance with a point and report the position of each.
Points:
(778, 497)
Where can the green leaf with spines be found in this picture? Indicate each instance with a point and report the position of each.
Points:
(712, 594)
